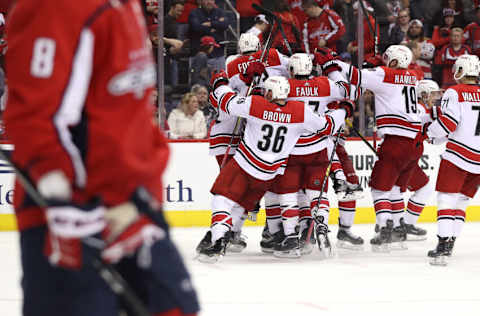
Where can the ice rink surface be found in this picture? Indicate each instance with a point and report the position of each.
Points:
(352, 283)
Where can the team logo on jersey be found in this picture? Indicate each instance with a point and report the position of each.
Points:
(134, 80)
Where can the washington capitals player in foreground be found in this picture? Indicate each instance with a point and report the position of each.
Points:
(79, 114)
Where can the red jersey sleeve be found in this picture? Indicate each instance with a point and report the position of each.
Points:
(338, 28)
(53, 46)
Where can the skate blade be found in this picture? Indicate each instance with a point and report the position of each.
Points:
(346, 245)
(384, 248)
(291, 254)
(267, 250)
(439, 261)
(411, 237)
(327, 253)
(399, 245)
(209, 259)
(235, 248)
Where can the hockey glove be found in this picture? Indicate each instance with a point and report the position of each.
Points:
(435, 112)
(346, 104)
(219, 78)
(68, 224)
(373, 62)
(130, 227)
(325, 58)
(254, 69)
(421, 135)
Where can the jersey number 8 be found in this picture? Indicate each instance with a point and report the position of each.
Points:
(43, 56)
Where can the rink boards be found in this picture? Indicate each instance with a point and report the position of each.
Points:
(191, 173)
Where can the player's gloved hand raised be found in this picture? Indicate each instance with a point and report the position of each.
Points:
(346, 104)
(326, 59)
(219, 78)
(373, 62)
(68, 225)
(254, 69)
(421, 135)
(130, 227)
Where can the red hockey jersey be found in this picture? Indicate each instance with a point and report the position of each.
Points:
(327, 26)
(472, 37)
(446, 57)
(79, 100)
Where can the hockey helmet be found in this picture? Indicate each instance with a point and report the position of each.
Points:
(429, 91)
(402, 54)
(300, 64)
(466, 65)
(279, 86)
(248, 43)
(427, 51)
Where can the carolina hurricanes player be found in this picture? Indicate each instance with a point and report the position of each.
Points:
(306, 167)
(398, 122)
(258, 160)
(459, 173)
(240, 76)
(79, 113)
(428, 93)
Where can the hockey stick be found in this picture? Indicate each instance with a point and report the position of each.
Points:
(350, 125)
(327, 174)
(279, 22)
(107, 272)
(239, 121)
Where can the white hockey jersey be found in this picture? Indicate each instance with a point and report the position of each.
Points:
(396, 107)
(272, 130)
(222, 131)
(460, 121)
(316, 93)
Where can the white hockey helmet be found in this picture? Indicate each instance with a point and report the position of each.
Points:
(427, 51)
(279, 86)
(466, 65)
(426, 87)
(300, 64)
(402, 54)
(248, 43)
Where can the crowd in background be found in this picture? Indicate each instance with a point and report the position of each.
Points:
(199, 35)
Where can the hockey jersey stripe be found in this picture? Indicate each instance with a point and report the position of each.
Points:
(258, 163)
(464, 152)
(304, 141)
(225, 100)
(224, 140)
(394, 121)
(447, 122)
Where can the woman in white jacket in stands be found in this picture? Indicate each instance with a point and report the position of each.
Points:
(187, 121)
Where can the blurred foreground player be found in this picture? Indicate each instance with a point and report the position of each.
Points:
(79, 116)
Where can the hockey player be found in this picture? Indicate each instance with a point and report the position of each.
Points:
(398, 122)
(257, 161)
(79, 114)
(459, 173)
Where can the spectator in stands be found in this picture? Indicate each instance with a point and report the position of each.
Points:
(441, 33)
(323, 28)
(171, 31)
(260, 27)
(415, 48)
(151, 7)
(247, 13)
(368, 36)
(201, 93)
(398, 32)
(385, 18)
(187, 121)
(200, 68)
(458, 13)
(415, 33)
(182, 20)
(425, 11)
(447, 56)
(209, 21)
(472, 33)
(291, 27)
(345, 10)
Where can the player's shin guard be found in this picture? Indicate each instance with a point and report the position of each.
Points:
(273, 212)
(462, 204)
(397, 205)
(305, 219)
(237, 242)
(345, 238)
(382, 205)
(447, 205)
(346, 214)
(416, 203)
(289, 206)
(321, 213)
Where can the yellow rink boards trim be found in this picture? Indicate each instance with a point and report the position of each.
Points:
(364, 215)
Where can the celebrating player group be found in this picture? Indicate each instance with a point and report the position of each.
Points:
(279, 135)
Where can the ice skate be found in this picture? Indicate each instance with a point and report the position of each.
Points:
(307, 248)
(289, 247)
(348, 240)
(414, 233)
(323, 242)
(214, 253)
(399, 236)
(450, 245)
(438, 256)
(382, 239)
(354, 192)
(236, 242)
(267, 244)
(205, 242)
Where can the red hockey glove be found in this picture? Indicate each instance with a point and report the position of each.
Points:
(130, 227)
(219, 78)
(68, 224)
(346, 104)
(421, 135)
(254, 69)
(325, 58)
